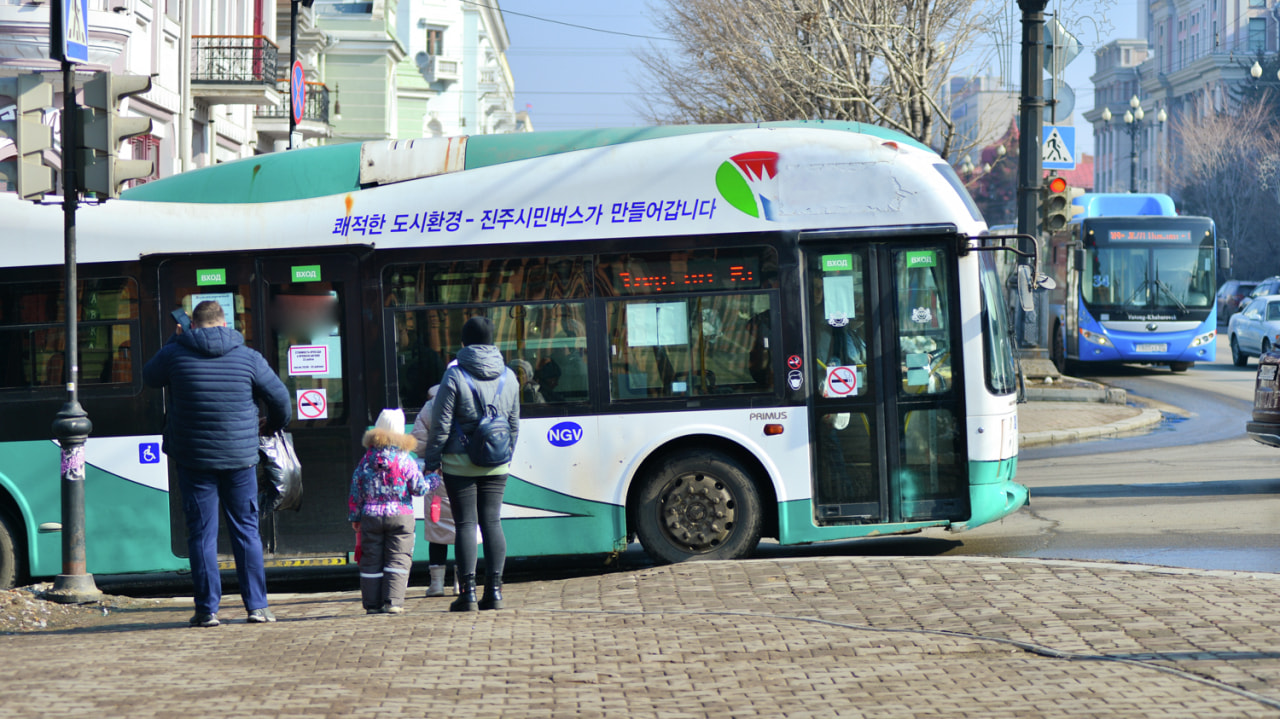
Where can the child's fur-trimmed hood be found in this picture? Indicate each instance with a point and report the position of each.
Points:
(378, 437)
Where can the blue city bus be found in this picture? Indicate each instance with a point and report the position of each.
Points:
(1136, 283)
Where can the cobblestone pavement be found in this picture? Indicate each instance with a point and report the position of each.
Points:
(860, 636)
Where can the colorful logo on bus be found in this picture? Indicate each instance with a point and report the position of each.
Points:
(748, 181)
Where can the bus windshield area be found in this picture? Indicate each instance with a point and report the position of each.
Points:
(1170, 279)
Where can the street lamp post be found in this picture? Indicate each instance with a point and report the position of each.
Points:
(1133, 122)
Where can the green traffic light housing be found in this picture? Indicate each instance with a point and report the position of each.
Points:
(27, 172)
(1055, 209)
(103, 129)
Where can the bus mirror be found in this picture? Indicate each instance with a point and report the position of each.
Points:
(1045, 282)
(1026, 276)
(1224, 258)
(1077, 260)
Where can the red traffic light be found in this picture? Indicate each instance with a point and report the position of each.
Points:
(1057, 184)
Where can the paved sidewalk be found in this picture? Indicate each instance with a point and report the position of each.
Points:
(1041, 423)
(838, 636)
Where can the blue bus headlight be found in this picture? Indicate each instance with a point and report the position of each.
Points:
(1204, 339)
(1095, 338)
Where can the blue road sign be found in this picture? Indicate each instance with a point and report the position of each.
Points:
(297, 91)
(1058, 147)
(69, 31)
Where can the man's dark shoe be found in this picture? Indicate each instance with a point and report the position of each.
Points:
(261, 616)
(204, 620)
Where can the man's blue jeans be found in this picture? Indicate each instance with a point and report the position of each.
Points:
(236, 490)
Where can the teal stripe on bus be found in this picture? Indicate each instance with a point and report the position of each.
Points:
(276, 177)
(992, 494)
(126, 524)
(334, 169)
(583, 527)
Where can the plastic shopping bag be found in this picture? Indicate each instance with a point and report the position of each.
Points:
(279, 474)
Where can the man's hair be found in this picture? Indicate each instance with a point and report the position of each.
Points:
(208, 314)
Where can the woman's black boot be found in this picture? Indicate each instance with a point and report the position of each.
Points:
(466, 601)
(492, 593)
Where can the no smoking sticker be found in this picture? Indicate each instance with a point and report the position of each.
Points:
(842, 381)
(312, 404)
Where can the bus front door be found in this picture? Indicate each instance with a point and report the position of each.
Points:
(303, 314)
(887, 422)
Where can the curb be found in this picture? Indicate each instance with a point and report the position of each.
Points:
(1108, 395)
(1147, 418)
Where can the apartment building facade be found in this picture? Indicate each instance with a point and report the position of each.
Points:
(219, 71)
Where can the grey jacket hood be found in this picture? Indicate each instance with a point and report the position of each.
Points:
(482, 361)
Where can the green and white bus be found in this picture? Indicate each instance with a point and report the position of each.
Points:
(669, 296)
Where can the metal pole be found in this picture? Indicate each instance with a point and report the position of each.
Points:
(293, 57)
(1030, 122)
(1133, 156)
(72, 426)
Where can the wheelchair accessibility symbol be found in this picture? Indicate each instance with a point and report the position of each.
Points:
(149, 453)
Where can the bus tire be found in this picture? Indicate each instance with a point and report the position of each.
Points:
(698, 505)
(1058, 350)
(9, 569)
(1181, 366)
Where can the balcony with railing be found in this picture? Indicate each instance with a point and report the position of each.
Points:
(274, 121)
(438, 68)
(235, 70)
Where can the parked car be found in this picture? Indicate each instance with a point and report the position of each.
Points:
(1264, 426)
(1229, 296)
(1269, 286)
(1255, 329)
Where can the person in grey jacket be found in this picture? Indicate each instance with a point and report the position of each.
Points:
(475, 493)
(215, 383)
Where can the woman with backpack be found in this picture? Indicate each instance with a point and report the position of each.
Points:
(475, 419)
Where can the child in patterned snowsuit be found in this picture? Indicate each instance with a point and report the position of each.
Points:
(380, 508)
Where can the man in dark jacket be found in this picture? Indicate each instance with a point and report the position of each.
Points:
(215, 383)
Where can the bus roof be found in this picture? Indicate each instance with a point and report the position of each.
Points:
(1116, 204)
(335, 169)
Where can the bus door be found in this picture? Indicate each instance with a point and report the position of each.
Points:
(886, 410)
(303, 314)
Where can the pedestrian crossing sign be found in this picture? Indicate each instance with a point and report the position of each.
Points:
(69, 31)
(1058, 147)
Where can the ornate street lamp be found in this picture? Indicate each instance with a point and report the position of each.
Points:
(1133, 121)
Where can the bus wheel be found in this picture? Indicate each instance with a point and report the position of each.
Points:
(1181, 366)
(8, 552)
(699, 505)
(1058, 350)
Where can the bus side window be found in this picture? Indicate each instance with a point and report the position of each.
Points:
(696, 346)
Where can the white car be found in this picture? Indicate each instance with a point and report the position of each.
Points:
(1255, 329)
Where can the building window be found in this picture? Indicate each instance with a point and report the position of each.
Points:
(1257, 34)
(146, 147)
(435, 41)
(1260, 4)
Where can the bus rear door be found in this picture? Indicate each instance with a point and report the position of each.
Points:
(302, 312)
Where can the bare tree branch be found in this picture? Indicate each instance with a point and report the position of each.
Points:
(877, 61)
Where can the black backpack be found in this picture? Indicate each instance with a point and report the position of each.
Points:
(489, 441)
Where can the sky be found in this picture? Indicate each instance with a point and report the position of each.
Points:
(574, 60)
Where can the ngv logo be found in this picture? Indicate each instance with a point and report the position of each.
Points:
(564, 434)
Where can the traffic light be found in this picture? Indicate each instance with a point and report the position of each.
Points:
(1055, 207)
(102, 129)
(30, 135)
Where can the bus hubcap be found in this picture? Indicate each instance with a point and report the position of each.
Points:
(698, 512)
